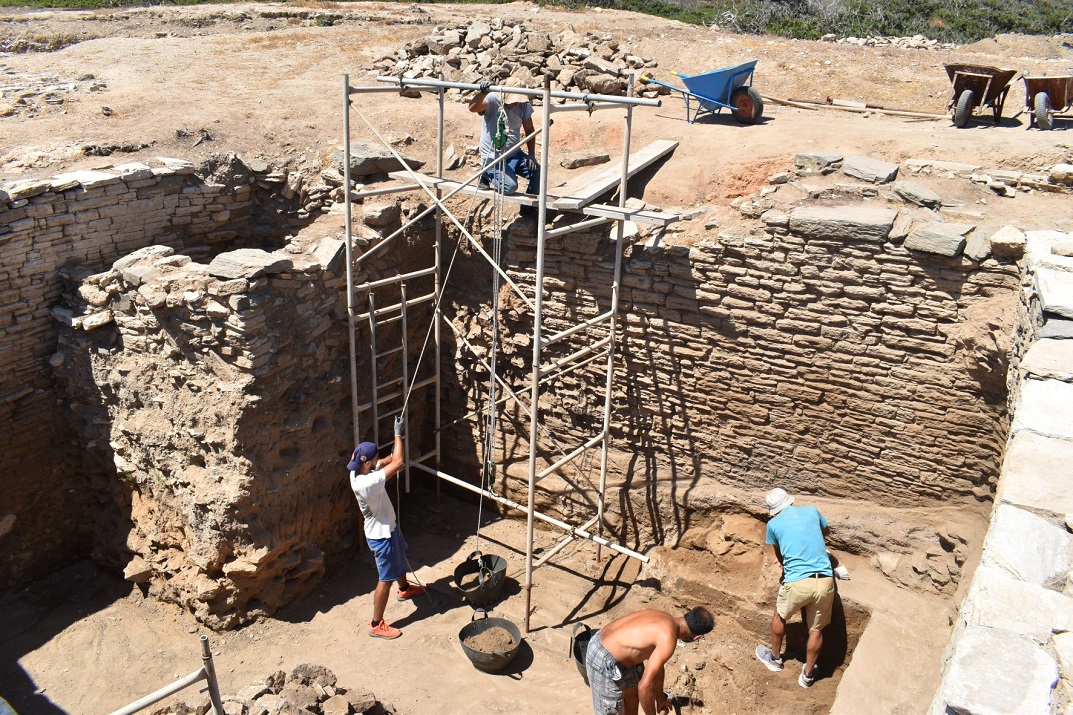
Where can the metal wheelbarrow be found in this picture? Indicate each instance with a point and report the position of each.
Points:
(727, 88)
(1047, 96)
(978, 86)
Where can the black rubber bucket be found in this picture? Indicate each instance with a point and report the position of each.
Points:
(494, 661)
(579, 645)
(480, 578)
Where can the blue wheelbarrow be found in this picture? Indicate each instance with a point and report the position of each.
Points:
(727, 88)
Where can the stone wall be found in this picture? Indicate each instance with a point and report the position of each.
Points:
(79, 223)
(1011, 650)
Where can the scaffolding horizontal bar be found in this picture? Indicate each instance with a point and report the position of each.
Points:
(579, 226)
(387, 353)
(580, 326)
(543, 517)
(568, 539)
(589, 107)
(157, 696)
(458, 187)
(395, 279)
(569, 358)
(391, 308)
(373, 90)
(588, 98)
(570, 457)
(636, 215)
(381, 399)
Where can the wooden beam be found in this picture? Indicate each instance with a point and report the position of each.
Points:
(470, 190)
(588, 187)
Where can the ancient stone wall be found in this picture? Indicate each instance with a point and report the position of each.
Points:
(840, 365)
(88, 218)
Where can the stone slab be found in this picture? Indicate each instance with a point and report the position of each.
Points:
(1044, 249)
(865, 168)
(88, 179)
(1035, 473)
(944, 239)
(997, 673)
(1049, 359)
(1027, 547)
(997, 600)
(854, 223)
(1046, 408)
(1055, 289)
(914, 193)
(248, 263)
(824, 161)
(952, 167)
(978, 246)
(1056, 329)
(367, 159)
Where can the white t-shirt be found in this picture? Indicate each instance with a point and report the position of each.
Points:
(371, 492)
(516, 114)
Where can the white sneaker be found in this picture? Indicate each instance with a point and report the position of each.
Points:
(765, 656)
(841, 573)
(806, 681)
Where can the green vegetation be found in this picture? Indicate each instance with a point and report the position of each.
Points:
(945, 20)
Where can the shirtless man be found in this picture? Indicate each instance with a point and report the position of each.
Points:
(616, 655)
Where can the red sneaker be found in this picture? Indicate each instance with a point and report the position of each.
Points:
(383, 630)
(409, 593)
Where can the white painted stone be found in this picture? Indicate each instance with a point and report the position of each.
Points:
(1049, 359)
(1000, 601)
(1045, 407)
(997, 673)
(1035, 473)
(1044, 249)
(1055, 290)
(1027, 547)
(860, 223)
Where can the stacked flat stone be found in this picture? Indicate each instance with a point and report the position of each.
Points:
(498, 50)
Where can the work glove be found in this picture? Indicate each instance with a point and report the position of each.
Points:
(485, 86)
(398, 425)
(532, 164)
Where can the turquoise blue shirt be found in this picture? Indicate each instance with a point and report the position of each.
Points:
(798, 532)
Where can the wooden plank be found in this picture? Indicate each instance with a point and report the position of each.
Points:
(586, 188)
(635, 215)
(470, 190)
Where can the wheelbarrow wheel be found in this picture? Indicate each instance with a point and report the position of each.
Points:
(1041, 105)
(748, 106)
(965, 105)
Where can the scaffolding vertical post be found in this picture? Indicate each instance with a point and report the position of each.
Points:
(437, 287)
(405, 384)
(349, 259)
(538, 316)
(372, 366)
(210, 677)
(613, 322)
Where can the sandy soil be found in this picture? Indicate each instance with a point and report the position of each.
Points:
(83, 642)
(265, 82)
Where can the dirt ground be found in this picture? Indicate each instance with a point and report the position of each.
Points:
(83, 642)
(265, 82)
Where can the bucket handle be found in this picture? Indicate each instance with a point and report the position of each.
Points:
(475, 612)
(483, 572)
(573, 636)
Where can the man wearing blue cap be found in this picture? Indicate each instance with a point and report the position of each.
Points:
(368, 479)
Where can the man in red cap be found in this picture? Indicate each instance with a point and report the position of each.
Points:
(368, 479)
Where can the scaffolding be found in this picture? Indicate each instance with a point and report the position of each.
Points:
(434, 187)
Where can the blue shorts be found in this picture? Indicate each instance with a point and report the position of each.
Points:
(390, 556)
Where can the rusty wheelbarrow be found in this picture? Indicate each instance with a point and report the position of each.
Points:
(978, 86)
(1047, 96)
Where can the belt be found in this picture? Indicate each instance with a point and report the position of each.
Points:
(819, 575)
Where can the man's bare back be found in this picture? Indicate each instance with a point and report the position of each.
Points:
(632, 638)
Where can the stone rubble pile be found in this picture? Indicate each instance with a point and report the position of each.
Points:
(498, 50)
(308, 690)
(26, 95)
(916, 42)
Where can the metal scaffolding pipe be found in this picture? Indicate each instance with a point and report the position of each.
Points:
(580, 353)
(386, 190)
(576, 531)
(351, 330)
(392, 395)
(395, 279)
(570, 457)
(592, 107)
(409, 304)
(579, 226)
(568, 539)
(546, 93)
(580, 326)
(437, 288)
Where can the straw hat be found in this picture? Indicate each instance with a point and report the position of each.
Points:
(511, 97)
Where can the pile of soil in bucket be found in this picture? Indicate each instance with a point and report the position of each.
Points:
(491, 640)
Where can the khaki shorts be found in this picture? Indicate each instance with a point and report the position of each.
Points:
(815, 595)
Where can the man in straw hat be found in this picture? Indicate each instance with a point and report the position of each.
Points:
(368, 479)
(807, 582)
(507, 117)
